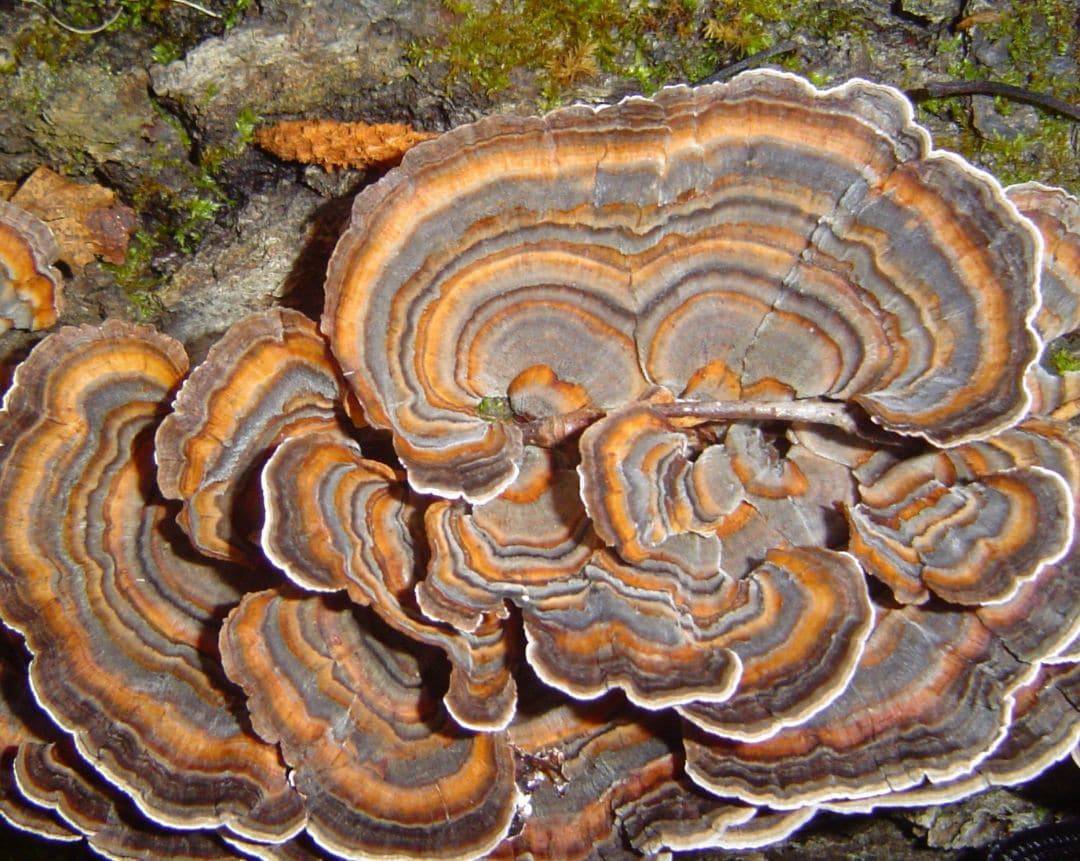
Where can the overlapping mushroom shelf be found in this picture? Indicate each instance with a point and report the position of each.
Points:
(660, 475)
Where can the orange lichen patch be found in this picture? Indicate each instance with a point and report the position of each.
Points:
(970, 524)
(807, 241)
(120, 620)
(53, 776)
(30, 286)
(384, 770)
(87, 220)
(527, 541)
(332, 144)
(337, 521)
(269, 377)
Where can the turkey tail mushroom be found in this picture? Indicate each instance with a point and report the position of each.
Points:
(269, 377)
(384, 770)
(119, 621)
(807, 240)
(338, 521)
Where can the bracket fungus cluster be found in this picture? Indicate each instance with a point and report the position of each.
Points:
(660, 475)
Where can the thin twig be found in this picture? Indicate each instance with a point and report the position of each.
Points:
(71, 28)
(808, 412)
(748, 62)
(553, 430)
(944, 89)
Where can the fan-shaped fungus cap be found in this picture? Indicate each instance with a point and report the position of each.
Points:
(22, 723)
(656, 615)
(670, 643)
(807, 240)
(1056, 214)
(687, 822)
(1043, 731)
(932, 697)
(524, 544)
(602, 778)
(30, 286)
(1054, 395)
(922, 528)
(385, 772)
(337, 521)
(120, 622)
(582, 765)
(973, 523)
(54, 776)
(269, 377)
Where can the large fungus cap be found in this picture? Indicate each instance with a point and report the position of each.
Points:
(808, 242)
(1056, 214)
(1044, 730)
(794, 629)
(336, 521)
(54, 776)
(30, 286)
(384, 771)
(932, 697)
(21, 723)
(973, 523)
(119, 619)
(586, 766)
(269, 377)
(968, 541)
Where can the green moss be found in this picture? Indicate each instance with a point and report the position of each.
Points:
(1063, 360)
(165, 52)
(652, 42)
(1035, 32)
(495, 409)
(47, 41)
(177, 220)
(245, 124)
(567, 41)
(745, 27)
